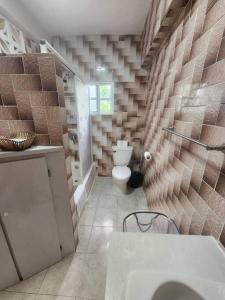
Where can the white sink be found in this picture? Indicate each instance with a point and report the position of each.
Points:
(165, 267)
(154, 285)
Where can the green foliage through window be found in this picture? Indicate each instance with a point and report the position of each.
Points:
(105, 106)
(104, 91)
(101, 98)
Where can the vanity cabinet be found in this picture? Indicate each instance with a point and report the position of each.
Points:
(36, 229)
(28, 216)
(8, 273)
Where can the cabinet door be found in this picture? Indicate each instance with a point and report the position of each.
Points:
(8, 274)
(28, 215)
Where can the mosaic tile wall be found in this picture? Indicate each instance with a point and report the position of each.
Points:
(186, 89)
(32, 99)
(121, 57)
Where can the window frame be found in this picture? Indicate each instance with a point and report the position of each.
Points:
(98, 112)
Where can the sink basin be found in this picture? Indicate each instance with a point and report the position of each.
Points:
(155, 285)
(165, 267)
(175, 291)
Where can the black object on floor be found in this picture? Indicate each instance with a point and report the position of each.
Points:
(136, 179)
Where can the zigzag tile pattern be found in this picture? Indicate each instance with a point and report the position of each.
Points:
(186, 89)
(121, 57)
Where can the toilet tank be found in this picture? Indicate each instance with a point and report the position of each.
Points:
(122, 155)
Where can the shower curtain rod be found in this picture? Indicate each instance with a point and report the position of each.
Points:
(207, 147)
(48, 48)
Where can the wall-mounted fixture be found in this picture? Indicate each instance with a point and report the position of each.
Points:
(207, 147)
(100, 69)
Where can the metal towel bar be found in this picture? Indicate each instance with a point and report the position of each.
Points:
(207, 147)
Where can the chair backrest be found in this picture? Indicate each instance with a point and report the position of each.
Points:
(149, 222)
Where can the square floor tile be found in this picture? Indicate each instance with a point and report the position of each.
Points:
(100, 238)
(105, 217)
(84, 234)
(30, 285)
(93, 199)
(88, 216)
(121, 214)
(16, 296)
(82, 275)
(107, 201)
(127, 202)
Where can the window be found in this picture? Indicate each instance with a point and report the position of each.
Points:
(101, 98)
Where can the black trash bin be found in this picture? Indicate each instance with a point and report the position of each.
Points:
(136, 179)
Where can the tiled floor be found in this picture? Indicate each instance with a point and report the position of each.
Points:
(82, 275)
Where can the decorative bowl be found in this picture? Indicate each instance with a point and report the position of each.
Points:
(17, 142)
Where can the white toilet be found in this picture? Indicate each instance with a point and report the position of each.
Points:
(121, 158)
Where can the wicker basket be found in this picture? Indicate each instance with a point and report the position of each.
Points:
(17, 142)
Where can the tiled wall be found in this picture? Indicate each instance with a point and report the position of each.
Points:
(32, 99)
(186, 89)
(121, 57)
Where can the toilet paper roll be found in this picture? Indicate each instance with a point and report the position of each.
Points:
(147, 155)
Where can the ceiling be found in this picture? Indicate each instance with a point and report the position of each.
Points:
(78, 17)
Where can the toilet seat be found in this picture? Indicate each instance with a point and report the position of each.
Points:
(121, 172)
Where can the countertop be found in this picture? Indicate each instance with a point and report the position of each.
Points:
(191, 255)
(34, 150)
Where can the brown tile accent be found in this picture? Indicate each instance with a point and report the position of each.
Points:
(42, 139)
(37, 99)
(55, 133)
(48, 73)
(17, 126)
(30, 62)
(44, 98)
(6, 90)
(26, 82)
(23, 105)
(53, 113)
(51, 98)
(40, 119)
(60, 90)
(11, 65)
(8, 113)
(4, 128)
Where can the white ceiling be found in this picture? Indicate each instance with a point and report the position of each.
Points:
(77, 17)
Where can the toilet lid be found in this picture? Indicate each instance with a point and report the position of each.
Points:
(121, 172)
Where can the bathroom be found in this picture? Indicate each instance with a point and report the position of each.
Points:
(112, 142)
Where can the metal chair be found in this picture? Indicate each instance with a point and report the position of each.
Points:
(149, 221)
